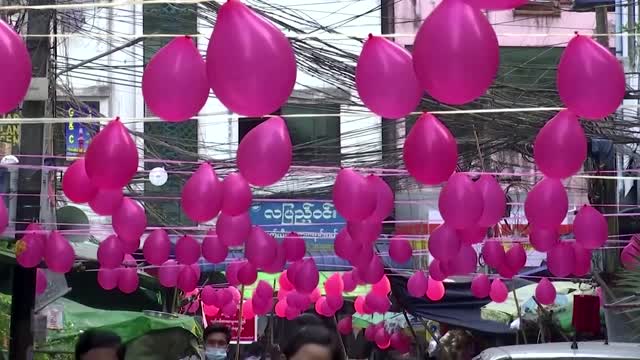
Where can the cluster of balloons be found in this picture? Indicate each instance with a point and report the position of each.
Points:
(419, 285)
(383, 339)
(482, 286)
(224, 301)
(173, 274)
(124, 276)
(54, 249)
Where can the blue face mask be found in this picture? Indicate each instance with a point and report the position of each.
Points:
(213, 353)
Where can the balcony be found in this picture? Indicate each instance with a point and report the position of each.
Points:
(546, 8)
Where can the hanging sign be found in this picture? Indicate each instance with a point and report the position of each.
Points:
(78, 135)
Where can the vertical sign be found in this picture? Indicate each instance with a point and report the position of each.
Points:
(77, 134)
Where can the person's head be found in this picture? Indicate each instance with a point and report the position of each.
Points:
(253, 351)
(98, 345)
(216, 341)
(313, 342)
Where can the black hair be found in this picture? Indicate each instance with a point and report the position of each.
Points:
(217, 328)
(97, 339)
(317, 335)
(254, 349)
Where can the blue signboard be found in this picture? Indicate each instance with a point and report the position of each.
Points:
(78, 135)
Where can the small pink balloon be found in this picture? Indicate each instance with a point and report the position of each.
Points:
(111, 159)
(430, 151)
(323, 308)
(493, 199)
(15, 76)
(590, 228)
(298, 300)
(373, 271)
(294, 247)
(264, 290)
(547, 204)
(384, 199)
(58, 253)
(110, 252)
(400, 342)
(561, 259)
(209, 295)
(174, 82)
(76, 184)
(460, 201)
(385, 79)
(400, 249)
(188, 250)
(230, 310)
(345, 247)
(345, 325)
(237, 197)
(187, 279)
(436, 270)
(417, 284)
(543, 239)
(157, 247)
(472, 235)
(128, 280)
(506, 271)
(334, 284)
(630, 256)
(226, 296)
(247, 309)
(378, 303)
(168, 273)
(435, 290)
(545, 292)
(591, 81)
(497, 4)
(233, 230)
(277, 263)
(30, 249)
(260, 248)
(315, 295)
(349, 282)
(516, 257)
(582, 261)
(106, 201)
(353, 196)
(383, 339)
(202, 194)
(247, 273)
(480, 286)
(129, 221)
(370, 332)
(213, 250)
(464, 263)
(284, 282)
(499, 291)
(560, 148)
(262, 306)
(358, 304)
(444, 242)
(335, 302)
(364, 232)
(108, 278)
(262, 59)
(442, 76)
(235, 293)
(307, 277)
(493, 253)
(382, 287)
(41, 281)
(281, 309)
(265, 153)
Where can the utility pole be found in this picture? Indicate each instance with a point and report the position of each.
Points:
(29, 184)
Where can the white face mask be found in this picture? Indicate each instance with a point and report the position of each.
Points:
(253, 358)
(213, 353)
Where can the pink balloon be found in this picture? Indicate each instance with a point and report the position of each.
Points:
(334, 284)
(315, 295)
(499, 291)
(76, 184)
(127, 280)
(308, 277)
(213, 250)
(590, 79)
(465, 262)
(202, 194)
(493, 199)
(373, 271)
(262, 59)
(582, 261)
(345, 247)
(493, 253)
(4, 215)
(58, 253)
(630, 256)
(472, 235)
(443, 75)
(543, 239)
(383, 339)
(460, 201)
(106, 201)
(281, 309)
(560, 148)
(110, 252)
(506, 271)
(384, 199)
(188, 250)
(436, 270)
(277, 263)
(382, 287)
(168, 273)
(561, 259)
(497, 4)
(370, 332)
(187, 279)
(226, 296)
(157, 247)
(260, 248)
(430, 151)
(263, 289)
(284, 282)
(15, 76)
(233, 230)
(400, 249)
(417, 284)
(230, 309)
(335, 302)
(516, 257)
(247, 273)
(235, 293)
(41, 281)
(444, 242)
(112, 157)
(400, 342)
(349, 282)
(323, 308)
(174, 82)
(378, 303)
(364, 232)
(247, 309)
(108, 278)
(480, 286)
(353, 196)
(294, 247)
(435, 290)
(298, 300)
(590, 228)
(237, 197)
(385, 79)
(345, 325)
(547, 204)
(358, 304)
(209, 295)
(129, 221)
(262, 306)
(30, 249)
(545, 292)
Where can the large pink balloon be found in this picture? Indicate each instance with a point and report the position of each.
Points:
(129, 221)
(435, 290)
(168, 273)
(247, 273)
(560, 148)
(263, 289)
(430, 151)
(307, 277)
(345, 325)
(516, 257)
(364, 232)
(157, 247)
(108, 278)
(545, 292)
(30, 249)
(233, 230)
(630, 255)
(202, 194)
(480, 286)
(493, 253)
(237, 197)
(561, 259)
(543, 239)
(349, 282)
(400, 249)
(436, 270)
(58, 253)
(294, 247)
(385, 79)
(444, 242)
(472, 235)
(353, 196)
(110, 252)
(15, 65)
(106, 201)
(494, 200)
(188, 250)
(384, 199)
(128, 280)
(497, 4)
(506, 271)
(446, 50)
(590, 79)
(250, 63)
(174, 82)
(260, 248)
(590, 228)
(498, 291)
(277, 264)
(417, 284)
(582, 264)
(76, 184)
(213, 249)
(460, 201)
(187, 279)
(112, 157)
(264, 154)
(547, 204)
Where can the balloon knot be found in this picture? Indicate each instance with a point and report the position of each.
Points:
(576, 33)
(117, 118)
(370, 36)
(188, 37)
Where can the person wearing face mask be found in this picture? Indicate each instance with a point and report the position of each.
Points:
(216, 341)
